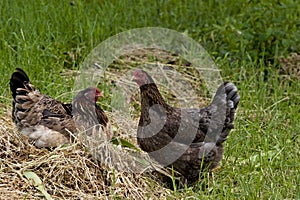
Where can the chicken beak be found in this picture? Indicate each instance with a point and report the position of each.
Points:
(99, 95)
(134, 79)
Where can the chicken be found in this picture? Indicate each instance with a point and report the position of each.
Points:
(190, 140)
(48, 122)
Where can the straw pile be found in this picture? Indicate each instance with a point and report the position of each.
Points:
(66, 172)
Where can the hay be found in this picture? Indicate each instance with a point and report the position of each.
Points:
(290, 66)
(66, 172)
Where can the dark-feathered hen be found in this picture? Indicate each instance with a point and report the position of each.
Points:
(46, 121)
(184, 138)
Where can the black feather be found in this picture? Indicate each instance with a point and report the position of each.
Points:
(18, 80)
(202, 130)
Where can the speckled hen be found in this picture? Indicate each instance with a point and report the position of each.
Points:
(48, 122)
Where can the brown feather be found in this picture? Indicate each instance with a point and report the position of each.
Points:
(46, 120)
(179, 137)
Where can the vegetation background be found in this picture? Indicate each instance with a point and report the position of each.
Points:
(255, 43)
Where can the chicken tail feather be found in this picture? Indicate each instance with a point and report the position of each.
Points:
(232, 101)
(18, 80)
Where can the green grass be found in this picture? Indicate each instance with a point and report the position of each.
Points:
(262, 154)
